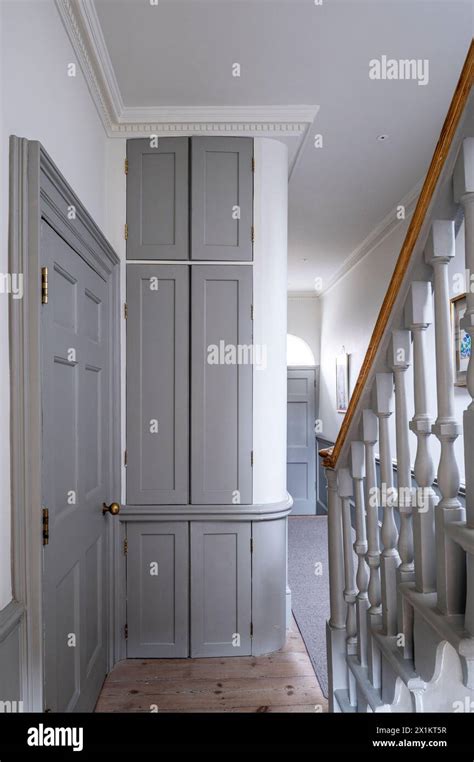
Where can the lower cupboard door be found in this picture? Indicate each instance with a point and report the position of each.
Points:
(220, 589)
(157, 589)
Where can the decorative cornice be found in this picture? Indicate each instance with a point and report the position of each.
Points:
(85, 33)
(375, 237)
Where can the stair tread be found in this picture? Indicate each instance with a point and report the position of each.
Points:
(371, 694)
(342, 698)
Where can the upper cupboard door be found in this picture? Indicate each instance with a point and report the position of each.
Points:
(157, 199)
(221, 384)
(157, 384)
(222, 199)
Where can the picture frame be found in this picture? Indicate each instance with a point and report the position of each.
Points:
(460, 340)
(342, 382)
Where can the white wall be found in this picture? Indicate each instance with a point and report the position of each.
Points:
(270, 284)
(348, 315)
(304, 321)
(40, 102)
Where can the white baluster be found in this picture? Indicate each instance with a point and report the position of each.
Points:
(383, 405)
(464, 194)
(345, 491)
(360, 546)
(418, 316)
(399, 361)
(336, 626)
(450, 562)
(374, 614)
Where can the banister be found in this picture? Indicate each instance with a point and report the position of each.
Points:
(330, 455)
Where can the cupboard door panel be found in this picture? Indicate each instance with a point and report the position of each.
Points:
(157, 384)
(220, 589)
(221, 385)
(157, 589)
(221, 199)
(157, 199)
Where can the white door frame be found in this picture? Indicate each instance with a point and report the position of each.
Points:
(38, 190)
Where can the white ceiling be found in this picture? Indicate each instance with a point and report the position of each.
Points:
(180, 53)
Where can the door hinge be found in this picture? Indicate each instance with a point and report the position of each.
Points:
(125, 631)
(126, 166)
(251, 629)
(125, 310)
(251, 312)
(125, 547)
(253, 164)
(251, 544)
(44, 285)
(45, 526)
(251, 458)
(253, 234)
(125, 458)
(125, 232)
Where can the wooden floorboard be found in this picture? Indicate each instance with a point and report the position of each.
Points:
(279, 682)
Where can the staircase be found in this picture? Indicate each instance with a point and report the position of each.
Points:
(400, 637)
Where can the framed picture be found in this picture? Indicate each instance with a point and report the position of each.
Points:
(342, 382)
(461, 341)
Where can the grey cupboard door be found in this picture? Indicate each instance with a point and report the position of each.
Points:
(220, 589)
(75, 368)
(301, 441)
(157, 589)
(221, 385)
(221, 198)
(157, 384)
(158, 199)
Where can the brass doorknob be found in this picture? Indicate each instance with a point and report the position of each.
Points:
(113, 508)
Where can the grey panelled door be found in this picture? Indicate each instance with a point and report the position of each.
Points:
(221, 386)
(220, 589)
(301, 442)
(157, 199)
(221, 198)
(157, 384)
(157, 589)
(75, 476)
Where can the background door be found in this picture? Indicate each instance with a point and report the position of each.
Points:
(75, 475)
(301, 440)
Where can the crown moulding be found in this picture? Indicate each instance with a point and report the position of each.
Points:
(85, 34)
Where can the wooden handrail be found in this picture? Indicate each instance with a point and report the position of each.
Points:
(461, 94)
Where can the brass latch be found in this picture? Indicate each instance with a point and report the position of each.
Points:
(45, 526)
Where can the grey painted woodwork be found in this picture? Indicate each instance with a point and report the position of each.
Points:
(221, 391)
(220, 589)
(157, 199)
(75, 477)
(269, 586)
(221, 198)
(11, 634)
(301, 442)
(157, 589)
(450, 559)
(157, 384)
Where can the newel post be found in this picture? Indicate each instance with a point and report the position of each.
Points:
(450, 563)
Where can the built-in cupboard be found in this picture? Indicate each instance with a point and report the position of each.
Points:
(197, 581)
